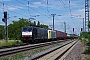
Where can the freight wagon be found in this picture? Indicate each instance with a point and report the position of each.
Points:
(61, 35)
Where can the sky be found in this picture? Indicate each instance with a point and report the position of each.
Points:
(70, 11)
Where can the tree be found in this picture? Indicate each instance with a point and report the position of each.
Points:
(89, 24)
(2, 31)
(34, 23)
(38, 24)
(44, 26)
(88, 35)
(14, 29)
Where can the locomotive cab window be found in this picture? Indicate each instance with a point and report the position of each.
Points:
(24, 29)
(29, 29)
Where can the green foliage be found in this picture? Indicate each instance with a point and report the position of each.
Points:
(84, 35)
(2, 31)
(44, 26)
(89, 24)
(87, 36)
(10, 42)
(38, 24)
(87, 50)
(34, 23)
(14, 57)
(15, 28)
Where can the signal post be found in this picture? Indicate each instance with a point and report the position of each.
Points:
(6, 28)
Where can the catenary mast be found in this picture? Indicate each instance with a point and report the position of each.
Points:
(86, 14)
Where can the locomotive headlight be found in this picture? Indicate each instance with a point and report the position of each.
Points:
(26, 33)
(30, 33)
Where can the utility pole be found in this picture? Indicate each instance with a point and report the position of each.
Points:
(64, 26)
(5, 21)
(53, 19)
(73, 30)
(83, 24)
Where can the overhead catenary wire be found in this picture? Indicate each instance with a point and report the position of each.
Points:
(47, 6)
(68, 10)
(71, 11)
(64, 6)
(70, 7)
(10, 10)
(34, 9)
(28, 9)
(47, 12)
(28, 5)
(20, 8)
(5, 5)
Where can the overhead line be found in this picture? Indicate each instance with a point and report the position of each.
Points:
(69, 7)
(34, 9)
(42, 9)
(66, 9)
(64, 6)
(69, 12)
(13, 11)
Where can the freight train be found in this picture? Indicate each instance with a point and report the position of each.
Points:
(33, 34)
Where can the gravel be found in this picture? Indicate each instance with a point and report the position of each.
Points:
(76, 53)
(28, 53)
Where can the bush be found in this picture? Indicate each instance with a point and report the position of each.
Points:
(10, 42)
(87, 50)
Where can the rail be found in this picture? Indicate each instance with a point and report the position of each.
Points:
(54, 53)
(12, 50)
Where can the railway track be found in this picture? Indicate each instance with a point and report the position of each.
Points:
(55, 53)
(12, 50)
(4, 47)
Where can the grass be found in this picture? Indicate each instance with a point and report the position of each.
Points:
(57, 44)
(22, 55)
(4, 58)
(14, 57)
(88, 57)
(38, 50)
(9, 43)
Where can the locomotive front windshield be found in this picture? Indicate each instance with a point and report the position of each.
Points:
(27, 29)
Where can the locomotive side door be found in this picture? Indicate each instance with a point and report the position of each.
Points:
(34, 33)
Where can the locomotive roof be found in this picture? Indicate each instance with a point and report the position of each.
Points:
(32, 27)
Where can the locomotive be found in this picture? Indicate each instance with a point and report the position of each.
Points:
(33, 34)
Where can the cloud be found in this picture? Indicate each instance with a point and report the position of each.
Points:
(4, 0)
(13, 7)
(51, 5)
(37, 4)
(89, 13)
(10, 7)
(79, 13)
